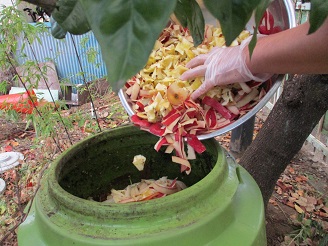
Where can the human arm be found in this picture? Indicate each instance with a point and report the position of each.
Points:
(290, 51)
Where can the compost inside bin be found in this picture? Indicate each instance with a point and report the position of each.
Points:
(95, 167)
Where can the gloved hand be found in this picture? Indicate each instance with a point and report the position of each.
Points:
(221, 66)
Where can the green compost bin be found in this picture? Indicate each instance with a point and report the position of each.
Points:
(221, 206)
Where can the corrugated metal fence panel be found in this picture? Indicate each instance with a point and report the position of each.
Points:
(63, 54)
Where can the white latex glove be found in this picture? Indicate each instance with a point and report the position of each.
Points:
(221, 66)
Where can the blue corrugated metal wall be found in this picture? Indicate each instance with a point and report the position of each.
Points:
(63, 54)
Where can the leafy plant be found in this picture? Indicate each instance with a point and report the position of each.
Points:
(3, 87)
(11, 115)
(12, 25)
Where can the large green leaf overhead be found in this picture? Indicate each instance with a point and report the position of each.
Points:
(258, 16)
(318, 14)
(232, 14)
(126, 31)
(190, 15)
(70, 17)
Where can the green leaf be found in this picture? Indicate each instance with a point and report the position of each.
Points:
(71, 17)
(318, 14)
(259, 11)
(92, 55)
(191, 16)
(126, 31)
(2, 208)
(56, 30)
(232, 15)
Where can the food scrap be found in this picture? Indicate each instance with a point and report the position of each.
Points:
(147, 189)
(162, 104)
(139, 162)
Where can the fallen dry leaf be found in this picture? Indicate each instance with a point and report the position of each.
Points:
(300, 192)
(322, 214)
(291, 170)
(325, 209)
(301, 179)
(273, 202)
(14, 143)
(311, 200)
(290, 204)
(309, 207)
(292, 199)
(279, 190)
(302, 201)
(298, 209)
(295, 195)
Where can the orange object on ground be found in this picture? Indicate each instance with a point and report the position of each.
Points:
(20, 102)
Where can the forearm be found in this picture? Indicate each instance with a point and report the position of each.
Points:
(291, 51)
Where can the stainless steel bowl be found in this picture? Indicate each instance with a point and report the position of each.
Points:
(284, 16)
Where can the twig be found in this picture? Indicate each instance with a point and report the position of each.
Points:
(84, 81)
(18, 194)
(293, 239)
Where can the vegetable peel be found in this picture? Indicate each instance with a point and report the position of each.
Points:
(163, 105)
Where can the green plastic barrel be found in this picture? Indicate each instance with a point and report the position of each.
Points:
(221, 206)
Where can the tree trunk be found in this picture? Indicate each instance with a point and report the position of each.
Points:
(303, 101)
